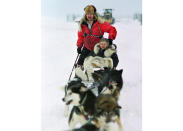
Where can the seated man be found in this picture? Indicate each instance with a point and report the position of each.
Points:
(103, 55)
(104, 50)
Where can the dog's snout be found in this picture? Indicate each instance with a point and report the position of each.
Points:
(63, 99)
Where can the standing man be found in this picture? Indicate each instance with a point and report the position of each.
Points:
(91, 30)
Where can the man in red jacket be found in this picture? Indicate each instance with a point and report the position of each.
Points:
(91, 29)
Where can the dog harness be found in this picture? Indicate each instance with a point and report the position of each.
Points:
(85, 116)
(82, 110)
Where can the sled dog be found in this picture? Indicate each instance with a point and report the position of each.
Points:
(109, 81)
(83, 101)
(106, 114)
(75, 82)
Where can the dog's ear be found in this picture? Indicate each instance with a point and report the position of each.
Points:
(121, 71)
(83, 89)
(119, 107)
(96, 76)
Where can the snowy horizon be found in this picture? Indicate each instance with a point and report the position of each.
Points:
(60, 8)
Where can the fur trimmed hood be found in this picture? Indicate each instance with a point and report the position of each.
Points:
(97, 17)
(108, 52)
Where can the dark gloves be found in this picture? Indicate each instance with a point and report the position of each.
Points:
(100, 37)
(79, 50)
(84, 34)
(110, 41)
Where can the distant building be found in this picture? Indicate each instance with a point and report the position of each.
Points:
(107, 16)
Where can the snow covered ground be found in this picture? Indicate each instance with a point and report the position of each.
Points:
(58, 56)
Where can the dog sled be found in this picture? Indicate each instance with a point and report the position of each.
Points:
(93, 93)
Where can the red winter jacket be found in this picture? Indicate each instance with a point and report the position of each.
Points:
(90, 38)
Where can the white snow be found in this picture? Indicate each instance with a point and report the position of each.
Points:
(58, 56)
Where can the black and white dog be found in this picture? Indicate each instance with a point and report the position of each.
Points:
(107, 113)
(108, 81)
(82, 100)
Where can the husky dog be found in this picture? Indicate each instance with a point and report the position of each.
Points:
(75, 82)
(106, 113)
(109, 81)
(90, 64)
(83, 101)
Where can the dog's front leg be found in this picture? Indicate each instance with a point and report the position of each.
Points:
(66, 110)
(74, 119)
(72, 123)
(119, 124)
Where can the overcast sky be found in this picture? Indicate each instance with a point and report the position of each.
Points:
(60, 8)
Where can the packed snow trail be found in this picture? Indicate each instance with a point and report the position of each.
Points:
(58, 56)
